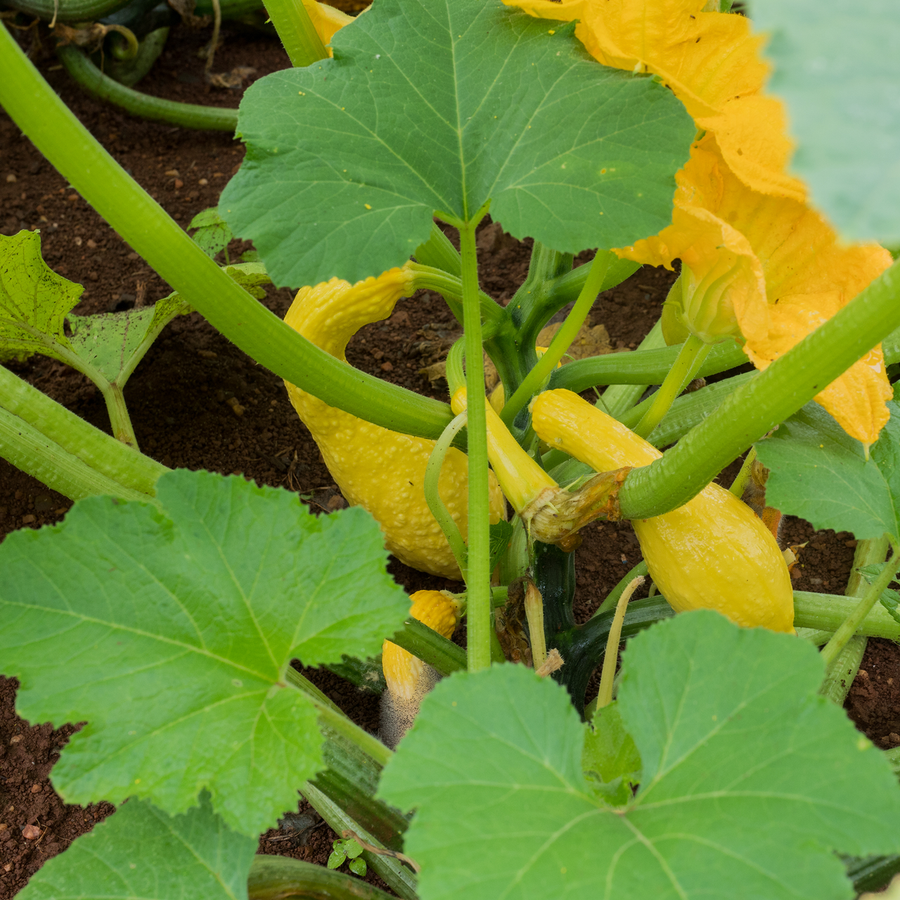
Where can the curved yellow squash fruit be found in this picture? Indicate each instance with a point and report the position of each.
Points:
(381, 470)
(408, 679)
(711, 553)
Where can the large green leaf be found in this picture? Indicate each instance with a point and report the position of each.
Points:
(439, 106)
(140, 851)
(34, 300)
(170, 634)
(820, 473)
(838, 68)
(750, 780)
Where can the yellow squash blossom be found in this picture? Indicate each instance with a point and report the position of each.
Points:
(758, 263)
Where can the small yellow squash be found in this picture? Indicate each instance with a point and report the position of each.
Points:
(711, 553)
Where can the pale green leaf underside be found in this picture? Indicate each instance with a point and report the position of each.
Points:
(212, 234)
(749, 779)
(821, 474)
(170, 635)
(34, 300)
(109, 342)
(838, 68)
(140, 851)
(438, 106)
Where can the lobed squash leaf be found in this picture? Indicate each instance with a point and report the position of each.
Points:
(749, 780)
(436, 107)
(170, 634)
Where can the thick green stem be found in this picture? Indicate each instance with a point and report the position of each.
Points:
(630, 373)
(331, 716)
(185, 115)
(562, 340)
(42, 116)
(753, 410)
(479, 575)
(827, 612)
(620, 397)
(118, 414)
(280, 877)
(34, 453)
(296, 31)
(392, 871)
(840, 676)
(690, 358)
(449, 286)
(850, 625)
(99, 455)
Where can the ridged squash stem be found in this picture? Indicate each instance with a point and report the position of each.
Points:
(618, 398)
(628, 374)
(397, 876)
(839, 679)
(479, 573)
(552, 295)
(753, 410)
(296, 31)
(433, 497)
(562, 340)
(826, 612)
(186, 115)
(275, 877)
(68, 145)
(849, 627)
(690, 358)
(613, 598)
(532, 306)
(65, 452)
(34, 453)
(743, 477)
(331, 716)
(449, 286)
(608, 673)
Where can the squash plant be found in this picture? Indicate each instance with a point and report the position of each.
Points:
(166, 609)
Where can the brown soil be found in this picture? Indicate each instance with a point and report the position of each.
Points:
(178, 402)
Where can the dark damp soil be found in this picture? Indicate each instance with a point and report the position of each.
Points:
(179, 402)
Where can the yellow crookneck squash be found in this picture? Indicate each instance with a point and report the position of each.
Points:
(381, 470)
(711, 553)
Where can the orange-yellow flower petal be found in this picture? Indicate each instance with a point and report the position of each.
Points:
(856, 399)
(789, 273)
(706, 58)
(751, 132)
(326, 20)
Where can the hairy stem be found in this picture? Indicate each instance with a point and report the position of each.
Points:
(562, 340)
(690, 358)
(479, 575)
